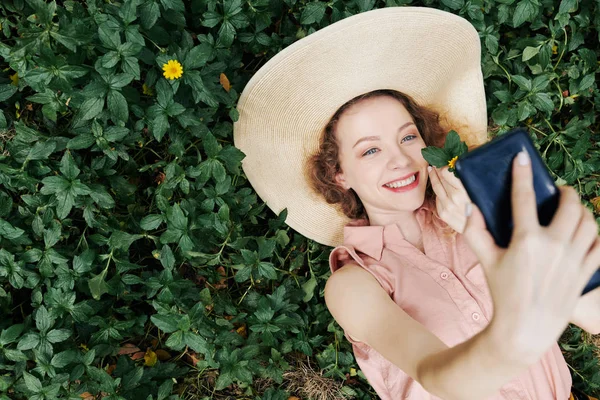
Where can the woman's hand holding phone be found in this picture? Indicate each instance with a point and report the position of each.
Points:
(536, 282)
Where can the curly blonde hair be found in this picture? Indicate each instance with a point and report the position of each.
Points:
(323, 166)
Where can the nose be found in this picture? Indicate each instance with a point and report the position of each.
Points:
(398, 159)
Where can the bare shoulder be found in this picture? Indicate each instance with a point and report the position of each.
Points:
(342, 290)
(367, 314)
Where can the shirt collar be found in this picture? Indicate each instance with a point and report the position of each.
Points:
(370, 239)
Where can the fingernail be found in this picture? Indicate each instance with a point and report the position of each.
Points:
(468, 209)
(523, 158)
(429, 168)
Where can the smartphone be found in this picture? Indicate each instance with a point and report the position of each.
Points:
(486, 174)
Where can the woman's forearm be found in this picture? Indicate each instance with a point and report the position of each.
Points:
(472, 370)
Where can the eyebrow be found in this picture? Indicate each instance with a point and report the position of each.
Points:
(367, 138)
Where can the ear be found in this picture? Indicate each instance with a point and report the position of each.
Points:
(341, 180)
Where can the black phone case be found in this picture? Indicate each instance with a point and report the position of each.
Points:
(486, 174)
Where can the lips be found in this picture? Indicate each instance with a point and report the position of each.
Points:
(400, 179)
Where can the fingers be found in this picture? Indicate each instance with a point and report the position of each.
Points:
(565, 221)
(524, 206)
(450, 180)
(585, 236)
(438, 187)
(450, 186)
(591, 264)
(479, 238)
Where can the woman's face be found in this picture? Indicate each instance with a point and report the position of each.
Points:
(380, 148)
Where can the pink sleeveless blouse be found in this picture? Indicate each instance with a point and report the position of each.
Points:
(445, 290)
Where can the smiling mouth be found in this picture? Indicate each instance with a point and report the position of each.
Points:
(402, 182)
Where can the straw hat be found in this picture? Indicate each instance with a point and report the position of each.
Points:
(432, 55)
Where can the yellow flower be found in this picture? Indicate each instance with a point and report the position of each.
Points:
(14, 79)
(452, 162)
(554, 49)
(147, 90)
(173, 69)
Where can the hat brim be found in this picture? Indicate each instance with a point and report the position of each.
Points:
(432, 55)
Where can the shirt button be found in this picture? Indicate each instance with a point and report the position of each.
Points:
(444, 275)
(475, 316)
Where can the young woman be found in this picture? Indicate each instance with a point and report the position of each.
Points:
(332, 128)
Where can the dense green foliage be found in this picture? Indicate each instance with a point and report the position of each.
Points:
(128, 227)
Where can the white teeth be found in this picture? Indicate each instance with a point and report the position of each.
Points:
(402, 183)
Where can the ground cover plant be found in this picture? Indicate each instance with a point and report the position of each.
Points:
(136, 262)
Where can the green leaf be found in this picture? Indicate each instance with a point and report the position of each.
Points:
(313, 13)
(165, 389)
(52, 236)
(568, 6)
(122, 240)
(167, 259)
(32, 383)
(530, 52)
(68, 167)
(210, 144)
(8, 231)
(149, 13)
(43, 320)
(58, 335)
(267, 270)
(491, 43)
(198, 56)
(28, 341)
(453, 144)
(97, 284)
(175, 341)
(91, 108)
(199, 90)
(82, 141)
(101, 197)
(108, 33)
(9, 335)
(526, 10)
(54, 184)
(523, 83)
(196, 343)
(435, 156)
(43, 11)
(164, 93)
(454, 4)
(308, 288)
(174, 109)
(176, 5)
(151, 221)
(159, 126)
(117, 106)
(587, 82)
(41, 150)
(543, 102)
(165, 323)
(6, 91)
(14, 355)
(64, 358)
(226, 34)
(177, 218)
(119, 81)
(115, 133)
(540, 83)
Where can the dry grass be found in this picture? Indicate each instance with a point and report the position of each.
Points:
(301, 381)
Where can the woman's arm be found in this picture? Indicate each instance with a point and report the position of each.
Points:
(587, 312)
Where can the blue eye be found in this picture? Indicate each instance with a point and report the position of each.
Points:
(413, 136)
(369, 152)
